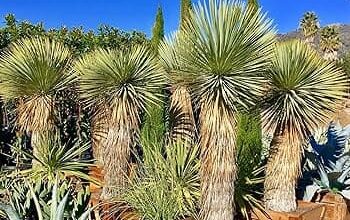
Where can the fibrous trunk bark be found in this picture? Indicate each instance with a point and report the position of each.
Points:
(283, 170)
(218, 162)
(116, 161)
(182, 126)
(99, 131)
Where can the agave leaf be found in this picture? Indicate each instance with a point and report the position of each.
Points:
(345, 194)
(36, 202)
(61, 208)
(10, 212)
(341, 179)
(54, 199)
(85, 215)
(310, 192)
(323, 175)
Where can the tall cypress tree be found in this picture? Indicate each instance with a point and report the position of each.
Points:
(153, 129)
(158, 29)
(186, 7)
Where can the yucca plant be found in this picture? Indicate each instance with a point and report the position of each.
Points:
(57, 206)
(303, 92)
(181, 117)
(117, 84)
(32, 71)
(59, 162)
(222, 49)
(330, 42)
(309, 25)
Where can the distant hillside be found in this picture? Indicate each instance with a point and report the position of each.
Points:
(344, 35)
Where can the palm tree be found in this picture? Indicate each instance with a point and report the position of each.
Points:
(223, 48)
(309, 25)
(32, 72)
(117, 84)
(304, 89)
(330, 42)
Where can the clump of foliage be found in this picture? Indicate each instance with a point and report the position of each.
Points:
(28, 190)
(250, 163)
(166, 186)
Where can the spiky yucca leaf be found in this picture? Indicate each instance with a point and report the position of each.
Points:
(33, 70)
(223, 49)
(118, 84)
(115, 76)
(304, 90)
(58, 160)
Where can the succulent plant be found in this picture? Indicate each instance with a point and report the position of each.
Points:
(327, 165)
(57, 208)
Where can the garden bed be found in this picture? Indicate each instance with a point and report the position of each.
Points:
(305, 211)
(336, 207)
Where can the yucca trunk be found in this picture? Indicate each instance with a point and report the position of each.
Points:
(122, 130)
(99, 131)
(283, 169)
(181, 113)
(218, 162)
(35, 116)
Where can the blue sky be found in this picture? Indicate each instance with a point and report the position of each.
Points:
(139, 14)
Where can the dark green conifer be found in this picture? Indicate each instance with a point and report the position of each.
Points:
(153, 129)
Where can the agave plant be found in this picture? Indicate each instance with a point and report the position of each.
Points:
(327, 167)
(303, 90)
(309, 25)
(32, 71)
(117, 84)
(330, 42)
(334, 146)
(57, 207)
(222, 62)
(332, 178)
(59, 161)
